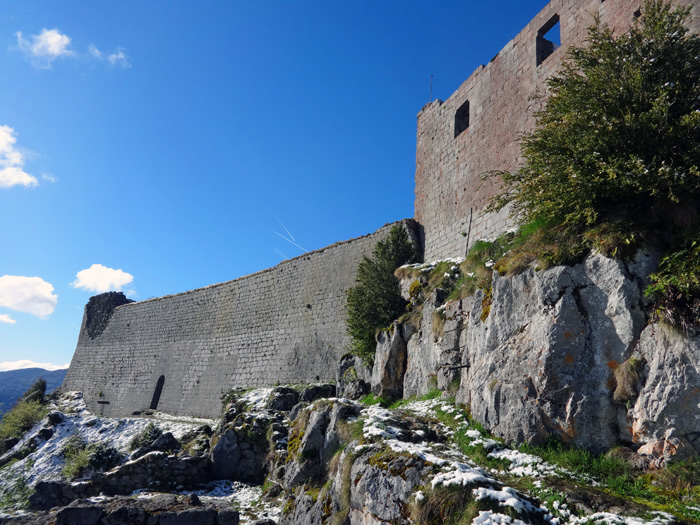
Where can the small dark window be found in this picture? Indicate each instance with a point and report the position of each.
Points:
(462, 118)
(548, 39)
(638, 13)
(156, 393)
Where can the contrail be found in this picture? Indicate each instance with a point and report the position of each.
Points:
(281, 254)
(289, 240)
(285, 229)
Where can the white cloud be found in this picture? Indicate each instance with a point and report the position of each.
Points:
(31, 295)
(44, 48)
(96, 53)
(48, 177)
(4, 318)
(99, 278)
(28, 363)
(116, 58)
(12, 162)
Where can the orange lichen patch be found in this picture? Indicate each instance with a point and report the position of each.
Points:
(613, 365)
(612, 384)
(696, 391)
(567, 335)
(569, 358)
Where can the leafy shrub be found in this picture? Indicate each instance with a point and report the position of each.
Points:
(23, 416)
(36, 391)
(675, 286)
(607, 144)
(375, 300)
(147, 436)
(79, 457)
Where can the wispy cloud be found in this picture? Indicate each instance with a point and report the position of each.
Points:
(45, 47)
(99, 278)
(12, 162)
(28, 363)
(116, 58)
(4, 318)
(48, 177)
(30, 295)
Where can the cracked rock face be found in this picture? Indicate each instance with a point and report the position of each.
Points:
(543, 362)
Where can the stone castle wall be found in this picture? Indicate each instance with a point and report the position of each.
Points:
(285, 324)
(476, 130)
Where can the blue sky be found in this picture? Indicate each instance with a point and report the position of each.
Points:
(156, 147)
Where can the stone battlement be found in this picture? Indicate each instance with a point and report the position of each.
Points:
(476, 130)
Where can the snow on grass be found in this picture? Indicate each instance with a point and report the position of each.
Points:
(45, 463)
(461, 474)
(614, 519)
(488, 517)
(245, 498)
(376, 423)
(522, 464)
(506, 497)
(256, 399)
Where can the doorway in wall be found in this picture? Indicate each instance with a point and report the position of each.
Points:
(156, 393)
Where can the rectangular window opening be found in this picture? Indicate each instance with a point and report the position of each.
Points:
(548, 39)
(462, 119)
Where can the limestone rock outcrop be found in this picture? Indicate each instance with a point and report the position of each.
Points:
(546, 359)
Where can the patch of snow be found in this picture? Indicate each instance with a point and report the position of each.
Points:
(461, 474)
(488, 517)
(507, 497)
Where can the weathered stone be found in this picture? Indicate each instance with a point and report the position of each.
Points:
(312, 393)
(228, 517)
(389, 363)
(282, 398)
(296, 410)
(666, 414)
(55, 418)
(79, 515)
(225, 455)
(353, 377)
(188, 517)
(126, 515)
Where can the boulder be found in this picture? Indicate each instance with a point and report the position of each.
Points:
(665, 417)
(312, 393)
(353, 377)
(282, 398)
(390, 362)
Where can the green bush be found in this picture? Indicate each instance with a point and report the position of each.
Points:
(80, 457)
(618, 136)
(375, 300)
(147, 436)
(36, 391)
(675, 286)
(23, 416)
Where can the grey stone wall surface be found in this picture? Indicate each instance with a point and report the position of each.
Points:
(285, 324)
(502, 98)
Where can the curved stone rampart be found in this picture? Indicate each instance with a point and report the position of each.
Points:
(282, 325)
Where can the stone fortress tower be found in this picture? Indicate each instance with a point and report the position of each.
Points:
(286, 324)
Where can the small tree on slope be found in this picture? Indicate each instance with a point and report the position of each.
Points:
(375, 301)
(619, 137)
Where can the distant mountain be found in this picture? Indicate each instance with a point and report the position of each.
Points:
(14, 383)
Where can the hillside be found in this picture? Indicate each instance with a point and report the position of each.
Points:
(14, 383)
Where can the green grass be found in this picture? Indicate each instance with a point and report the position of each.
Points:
(383, 401)
(23, 416)
(673, 489)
